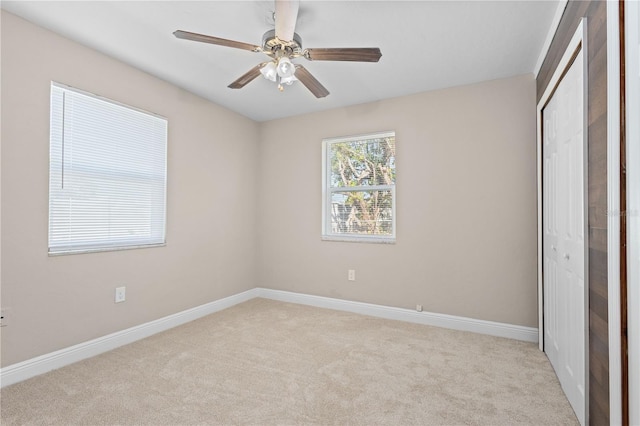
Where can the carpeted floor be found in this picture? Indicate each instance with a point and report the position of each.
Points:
(265, 362)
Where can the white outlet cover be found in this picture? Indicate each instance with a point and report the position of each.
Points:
(120, 294)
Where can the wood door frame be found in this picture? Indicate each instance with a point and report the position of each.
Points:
(578, 42)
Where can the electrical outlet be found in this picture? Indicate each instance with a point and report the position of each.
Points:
(419, 308)
(120, 294)
(352, 275)
(5, 314)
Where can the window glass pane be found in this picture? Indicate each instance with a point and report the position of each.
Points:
(362, 212)
(363, 162)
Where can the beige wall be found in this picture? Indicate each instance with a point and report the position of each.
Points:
(466, 204)
(61, 301)
(244, 204)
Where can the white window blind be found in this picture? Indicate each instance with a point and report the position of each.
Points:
(359, 187)
(107, 174)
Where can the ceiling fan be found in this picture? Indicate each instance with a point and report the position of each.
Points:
(282, 45)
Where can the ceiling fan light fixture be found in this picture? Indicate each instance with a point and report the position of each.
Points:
(269, 71)
(288, 80)
(282, 44)
(285, 67)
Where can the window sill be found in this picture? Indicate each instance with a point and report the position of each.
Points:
(352, 239)
(102, 249)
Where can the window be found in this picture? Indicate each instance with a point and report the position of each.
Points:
(359, 188)
(107, 174)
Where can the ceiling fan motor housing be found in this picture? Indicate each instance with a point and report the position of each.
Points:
(274, 47)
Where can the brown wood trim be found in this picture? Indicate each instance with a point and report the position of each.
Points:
(574, 55)
(597, 383)
(624, 342)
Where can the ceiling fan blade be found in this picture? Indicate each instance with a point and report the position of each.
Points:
(357, 54)
(186, 35)
(310, 82)
(286, 16)
(247, 77)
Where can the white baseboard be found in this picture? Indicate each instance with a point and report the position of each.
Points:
(33, 367)
(517, 332)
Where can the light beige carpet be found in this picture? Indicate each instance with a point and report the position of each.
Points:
(265, 362)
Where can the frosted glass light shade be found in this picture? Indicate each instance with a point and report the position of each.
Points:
(288, 80)
(269, 71)
(285, 67)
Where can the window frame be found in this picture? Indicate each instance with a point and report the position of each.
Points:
(108, 245)
(328, 190)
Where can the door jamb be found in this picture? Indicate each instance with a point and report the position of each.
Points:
(613, 212)
(632, 106)
(632, 73)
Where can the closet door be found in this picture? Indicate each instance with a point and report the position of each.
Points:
(563, 238)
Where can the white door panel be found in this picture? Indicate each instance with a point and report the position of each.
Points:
(550, 221)
(563, 236)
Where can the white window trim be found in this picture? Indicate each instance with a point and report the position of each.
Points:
(114, 246)
(327, 235)
(102, 98)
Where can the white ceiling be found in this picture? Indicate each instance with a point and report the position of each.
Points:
(425, 45)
